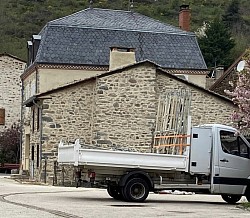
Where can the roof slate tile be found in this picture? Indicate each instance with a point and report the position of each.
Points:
(86, 37)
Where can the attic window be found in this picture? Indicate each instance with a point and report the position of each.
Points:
(2, 116)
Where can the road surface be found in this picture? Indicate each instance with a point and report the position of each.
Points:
(36, 201)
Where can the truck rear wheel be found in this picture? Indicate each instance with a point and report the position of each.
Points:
(136, 190)
(114, 192)
(231, 199)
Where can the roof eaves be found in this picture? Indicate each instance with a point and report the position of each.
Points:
(12, 56)
(28, 70)
(30, 102)
(187, 71)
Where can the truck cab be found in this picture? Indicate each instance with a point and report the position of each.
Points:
(224, 153)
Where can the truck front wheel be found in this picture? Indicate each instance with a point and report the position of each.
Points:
(231, 199)
(136, 190)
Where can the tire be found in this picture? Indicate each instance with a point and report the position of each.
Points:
(231, 199)
(136, 190)
(114, 192)
(248, 197)
(248, 194)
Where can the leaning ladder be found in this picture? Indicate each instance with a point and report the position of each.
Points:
(170, 136)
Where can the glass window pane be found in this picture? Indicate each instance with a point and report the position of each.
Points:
(229, 142)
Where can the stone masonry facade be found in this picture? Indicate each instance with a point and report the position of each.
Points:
(10, 88)
(116, 111)
(205, 107)
(125, 109)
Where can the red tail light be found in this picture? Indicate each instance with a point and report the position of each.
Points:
(91, 175)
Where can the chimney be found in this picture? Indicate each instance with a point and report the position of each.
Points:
(184, 17)
(219, 72)
(30, 50)
(120, 57)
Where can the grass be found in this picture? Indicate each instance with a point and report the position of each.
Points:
(245, 205)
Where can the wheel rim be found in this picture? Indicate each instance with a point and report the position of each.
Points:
(137, 190)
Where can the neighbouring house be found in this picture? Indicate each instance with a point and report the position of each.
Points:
(88, 44)
(228, 80)
(11, 68)
(114, 110)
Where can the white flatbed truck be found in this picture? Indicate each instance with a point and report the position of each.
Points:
(216, 162)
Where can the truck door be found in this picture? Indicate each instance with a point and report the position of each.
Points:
(233, 163)
(200, 153)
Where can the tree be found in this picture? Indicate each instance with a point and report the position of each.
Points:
(10, 144)
(232, 18)
(241, 96)
(216, 44)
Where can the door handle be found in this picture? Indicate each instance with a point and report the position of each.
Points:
(224, 160)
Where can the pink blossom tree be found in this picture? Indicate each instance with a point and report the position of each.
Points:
(241, 96)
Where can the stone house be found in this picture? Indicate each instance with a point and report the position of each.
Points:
(11, 68)
(92, 42)
(113, 110)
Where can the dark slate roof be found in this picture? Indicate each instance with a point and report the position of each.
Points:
(86, 37)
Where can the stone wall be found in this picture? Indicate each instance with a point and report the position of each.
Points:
(126, 109)
(10, 89)
(205, 107)
(67, 115)
(29, 85)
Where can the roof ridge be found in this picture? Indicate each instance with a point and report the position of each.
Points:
(135, 15)
(127, 30)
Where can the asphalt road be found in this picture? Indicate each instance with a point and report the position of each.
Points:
(25, 200)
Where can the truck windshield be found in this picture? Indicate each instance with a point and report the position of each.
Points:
(233, 144)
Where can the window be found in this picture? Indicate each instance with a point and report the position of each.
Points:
(33, 119)
(37, 155)
(2, 116)
(234, 145)
(38, 119)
